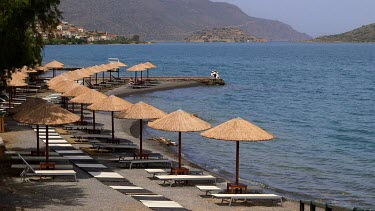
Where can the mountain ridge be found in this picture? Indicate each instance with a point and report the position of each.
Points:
(170, 19)
(364, 33)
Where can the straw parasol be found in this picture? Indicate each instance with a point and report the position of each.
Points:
(87, 98)
(18, 80)
(26, 106)
(54, 65)
(76, 91)
(137, 68)
(141, 111)
(149, 66)
(237, 130)
(46, 114)
(112, 104)
(62, 85)
(179, 121)
(119, 64)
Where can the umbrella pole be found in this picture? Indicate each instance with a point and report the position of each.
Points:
(113, 128)
(110, 75)
(54, 73)
(37, 139)
(118, 73)
(140, 136)
(73, 107)
(237, 160)
(93, 119)
(147, 74)
(103, 77)
(96, 78)
(141, 75)
(179, 150)
(81, 113)
(46, 143)
(10, 96)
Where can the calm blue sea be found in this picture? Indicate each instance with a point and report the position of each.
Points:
(317, 99)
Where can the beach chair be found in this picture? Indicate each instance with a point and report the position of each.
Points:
(175, 178)
(245, 197)
(146, 161)
(29, 171)
(208, 188)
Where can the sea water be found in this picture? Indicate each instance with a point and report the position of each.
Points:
(317, 99)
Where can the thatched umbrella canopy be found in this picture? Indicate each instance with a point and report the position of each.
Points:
(149, 65)
(46, 114)
(41, 68)
(18, 80)
(95, 70)
(61, 85)
(179, 121)
(30, 103)
(54, 65)
(137, 68)
(237, 130)
(75, 75)
(87, 98)
(141, 111)
(118, 65)
(26, 105)
(76, 91)
(112, 104)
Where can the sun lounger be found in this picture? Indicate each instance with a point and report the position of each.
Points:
(208, 189)
(168, 171)
(27, 153)
(36, 166)
(130, 155)
(39, 158)
(29, 171)
(146, 161)
(233, 197)
(174, 178)
(101, 146)
(92, 136)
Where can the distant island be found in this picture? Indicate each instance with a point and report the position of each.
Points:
(363, 34)
(232, 34)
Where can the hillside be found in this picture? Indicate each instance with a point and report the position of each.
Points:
(222, 35)
(170, 19)
(362, 34)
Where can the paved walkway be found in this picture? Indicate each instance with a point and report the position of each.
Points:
(105, 175)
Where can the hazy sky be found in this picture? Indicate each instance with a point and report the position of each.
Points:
(314, 17)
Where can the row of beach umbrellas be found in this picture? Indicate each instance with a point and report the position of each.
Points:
(179, 121)
(43, 113)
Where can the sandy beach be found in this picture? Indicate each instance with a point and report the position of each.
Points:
(91, 194)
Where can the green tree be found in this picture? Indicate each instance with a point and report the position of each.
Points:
(21, 24)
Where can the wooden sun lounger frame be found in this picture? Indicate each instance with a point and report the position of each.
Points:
(146, 161)
(26, 172)
(174, 178)
(233, 197)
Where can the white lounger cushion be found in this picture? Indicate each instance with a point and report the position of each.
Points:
(161, 204)
(106, 175)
